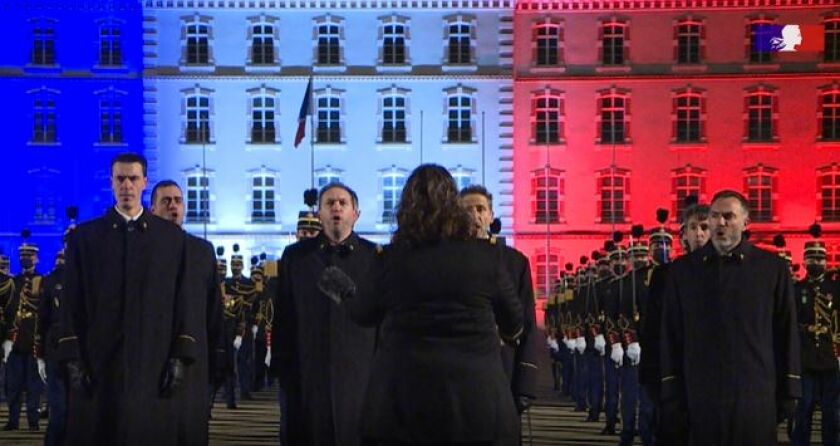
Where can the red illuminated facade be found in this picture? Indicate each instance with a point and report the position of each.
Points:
(623, 107)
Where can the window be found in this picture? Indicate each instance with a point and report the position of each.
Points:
(329, 116)
(197, 33)
(110, 117)
(832, 39)
(327, 175)
(394, 108)
(262, 42)
(829, 114)
(262, 198)
(548, 190)
(393, 181)
(45, 183)
(756, 29)
(547, 117)
(459, 41)
(459, 110)
(761, 110)
(394, 34)
(832, 258)
(462, 177)
(548, 38)
(328, 34)
(613, 195)
(686, 181)
(613, 108)
(198, 198)
(613, 36)
(689, 116)
(263, 116)
(548, 270)
(197, 107)
(43, 42)
(44, 129)
(690, 35)
(760, 186)
(828, 187)
(110, 44)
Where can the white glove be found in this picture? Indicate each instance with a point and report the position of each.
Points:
(634, 352)
(600, 344)
(553, 345)
(254, 330)
(580, 344)
(237, 342)
(7, 348)
(268, 358)
(42, 369)
(617, 354)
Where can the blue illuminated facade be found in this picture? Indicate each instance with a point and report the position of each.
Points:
(72, 89)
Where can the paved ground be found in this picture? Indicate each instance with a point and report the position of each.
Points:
(552, 422)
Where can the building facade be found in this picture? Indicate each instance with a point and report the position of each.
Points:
(72, 89)
(394, 84)
(621, 108)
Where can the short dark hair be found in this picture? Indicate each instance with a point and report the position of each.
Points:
(339, 185)
(131, 158)
(477, 189)
(698, 211)
(729, 193)
(161, 184)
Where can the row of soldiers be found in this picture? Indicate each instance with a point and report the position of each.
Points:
(29, 318)
(603, 315)
(29, 305)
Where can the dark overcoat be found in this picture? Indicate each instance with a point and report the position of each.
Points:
(520, 360)
(323, 358)
(202, 283)
(127, 312)
(729, 344)
(437, 374)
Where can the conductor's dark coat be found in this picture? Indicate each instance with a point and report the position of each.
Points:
(127, 312)
(322, 357)
(730, 347)
(520, 361)
(206, 299)
(437, 375)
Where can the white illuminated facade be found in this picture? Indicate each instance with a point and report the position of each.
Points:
(395, 84)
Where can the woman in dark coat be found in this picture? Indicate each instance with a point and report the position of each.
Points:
(443, 303)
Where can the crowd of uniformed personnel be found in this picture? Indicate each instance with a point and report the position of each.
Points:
(604, 323)
(621, 341)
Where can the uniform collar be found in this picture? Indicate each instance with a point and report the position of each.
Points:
(738, 254)
(350, 244)
(127, 217)
(116, 219)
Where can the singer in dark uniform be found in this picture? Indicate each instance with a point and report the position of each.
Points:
(194, 405)
(129, 332)
(321, 357)
(520, 361)
(730, 352)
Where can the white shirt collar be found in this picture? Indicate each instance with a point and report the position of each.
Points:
(128, 217)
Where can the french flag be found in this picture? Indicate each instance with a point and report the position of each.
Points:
(305, 110)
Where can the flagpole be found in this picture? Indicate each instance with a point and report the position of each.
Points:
(311, 134)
